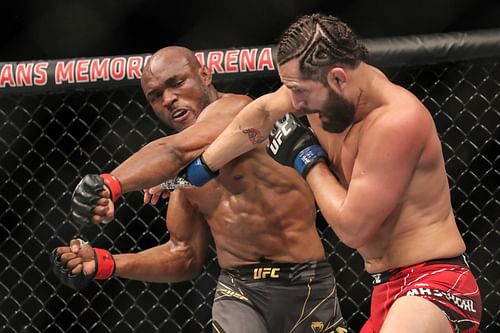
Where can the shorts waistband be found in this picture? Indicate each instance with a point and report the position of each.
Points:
(379, 278)
(280, 271)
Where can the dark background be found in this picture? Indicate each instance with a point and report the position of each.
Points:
(51, 29)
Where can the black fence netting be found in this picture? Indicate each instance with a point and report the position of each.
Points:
(49, 141)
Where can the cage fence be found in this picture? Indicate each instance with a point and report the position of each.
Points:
(49, 140)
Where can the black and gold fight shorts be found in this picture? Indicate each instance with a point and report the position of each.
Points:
(277, 297)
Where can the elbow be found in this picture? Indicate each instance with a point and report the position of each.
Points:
(358, 236)
(170, 158)
(190, 265)
(166, 148)
(194, 271)
(190, 270)
(354, 241)
(353, 235)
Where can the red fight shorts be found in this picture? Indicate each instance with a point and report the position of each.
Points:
(448, 283)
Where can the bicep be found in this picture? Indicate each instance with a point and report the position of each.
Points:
(186, 225)
(381, 174)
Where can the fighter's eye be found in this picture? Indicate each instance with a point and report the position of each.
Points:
(153, 96)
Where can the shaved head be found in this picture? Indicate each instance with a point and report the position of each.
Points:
(170, 54)
(177, 86)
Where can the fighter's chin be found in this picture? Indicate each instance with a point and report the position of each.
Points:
(304, 111)
(333, 127)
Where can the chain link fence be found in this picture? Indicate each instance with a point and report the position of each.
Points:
(49, 141)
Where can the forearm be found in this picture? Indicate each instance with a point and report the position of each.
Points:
(249, 128)
(151, 165)
(330, 196)
(246, 131)
(164, 264)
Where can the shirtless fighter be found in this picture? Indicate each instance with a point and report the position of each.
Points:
(261, 215)
(376, 170)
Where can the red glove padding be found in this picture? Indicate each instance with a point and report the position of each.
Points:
(113, 185)
(104, 264)
(104, 269)
(88, 192)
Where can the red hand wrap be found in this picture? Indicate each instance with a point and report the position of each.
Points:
(105, 264)
(113, 184)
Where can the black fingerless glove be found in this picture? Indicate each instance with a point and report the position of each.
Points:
(86, 194)
(105, 268)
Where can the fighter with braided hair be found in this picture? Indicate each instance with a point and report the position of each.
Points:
(376, 168)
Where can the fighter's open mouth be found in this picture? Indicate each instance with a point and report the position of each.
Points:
(178, 113)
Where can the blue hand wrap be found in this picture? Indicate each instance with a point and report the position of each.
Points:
(308, 157)
(198, 173)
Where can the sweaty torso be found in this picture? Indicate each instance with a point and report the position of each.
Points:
(422, 226)
(259, 210)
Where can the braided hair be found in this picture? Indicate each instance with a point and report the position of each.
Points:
(320, 42)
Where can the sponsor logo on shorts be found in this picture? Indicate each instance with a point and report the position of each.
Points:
(464, 304)
(264, 273)
(231, 293)
(377, 278)
(317, 326)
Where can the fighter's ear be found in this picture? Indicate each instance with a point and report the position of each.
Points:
(337, 78)
(206, 75)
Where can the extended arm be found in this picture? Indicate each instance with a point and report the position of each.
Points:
(249, 128)
(181, 258)
(158, 161)
(163, 158)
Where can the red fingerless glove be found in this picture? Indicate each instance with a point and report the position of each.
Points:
(105, 264)
(113, 185)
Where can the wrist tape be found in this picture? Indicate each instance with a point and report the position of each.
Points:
(113, 185)
(105, 264)
(198, 173)
(309, 157)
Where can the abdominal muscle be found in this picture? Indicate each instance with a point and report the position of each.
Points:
(259, 210)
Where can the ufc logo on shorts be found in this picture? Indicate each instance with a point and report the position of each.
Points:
(263, 273)
(275, 144)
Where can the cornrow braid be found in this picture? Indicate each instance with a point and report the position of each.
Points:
(319, 42)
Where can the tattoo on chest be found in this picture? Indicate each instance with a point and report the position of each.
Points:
(254, 135)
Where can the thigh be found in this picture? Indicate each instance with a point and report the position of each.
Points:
(232, 316)
(415, 314)
(312, 309)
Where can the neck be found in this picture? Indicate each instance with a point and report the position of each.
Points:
(213, 94)
(365, 97)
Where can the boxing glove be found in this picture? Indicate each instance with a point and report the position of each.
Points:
(86, 194)
(293, 144)
(104, 269)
